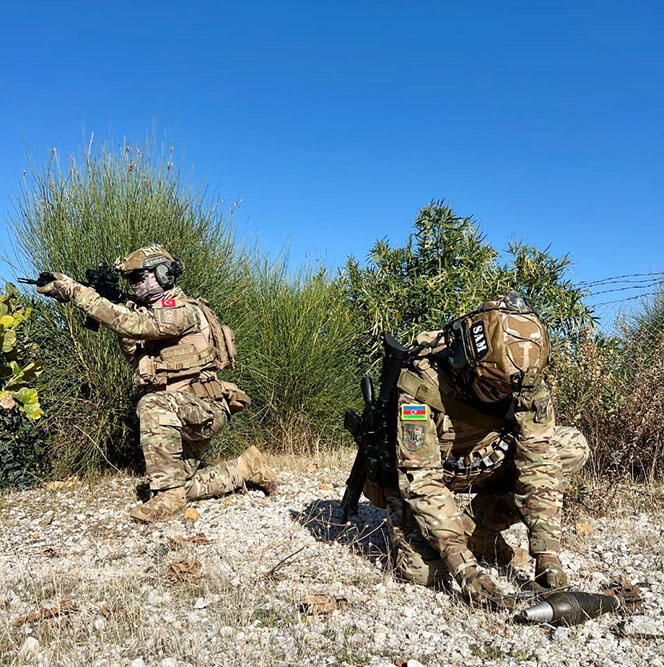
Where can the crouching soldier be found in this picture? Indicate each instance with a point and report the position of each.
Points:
(175, 345)
(474, 415)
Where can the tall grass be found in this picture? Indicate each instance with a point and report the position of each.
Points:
(297, 355)
(98, 206)
(294, 333)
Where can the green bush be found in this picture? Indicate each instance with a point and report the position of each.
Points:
(20, 446)
(297, 357)
(447, 268)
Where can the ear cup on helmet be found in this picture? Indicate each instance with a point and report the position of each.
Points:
(164, 276)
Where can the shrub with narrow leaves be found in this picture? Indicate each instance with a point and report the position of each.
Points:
(447, 268)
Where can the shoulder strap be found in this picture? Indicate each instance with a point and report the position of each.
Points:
(429, 394)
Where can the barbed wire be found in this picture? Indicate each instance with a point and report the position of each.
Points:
(630, 290)
(627, 277)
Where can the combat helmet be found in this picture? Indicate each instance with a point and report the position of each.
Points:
(166, 266)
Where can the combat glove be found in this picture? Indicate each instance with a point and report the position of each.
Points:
(61, 288)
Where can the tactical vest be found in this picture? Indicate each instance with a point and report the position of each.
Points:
(190, 364)
(503, 343)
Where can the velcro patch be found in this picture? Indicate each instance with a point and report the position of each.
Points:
(478, 339)
(168, 303)
(166, 316)
(414, 436)
(414, 412)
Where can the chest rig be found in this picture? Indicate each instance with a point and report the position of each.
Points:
(190, 359)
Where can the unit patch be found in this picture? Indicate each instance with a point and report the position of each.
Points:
(478, 339)
(414, 412)
(414, 436)
(166, 316)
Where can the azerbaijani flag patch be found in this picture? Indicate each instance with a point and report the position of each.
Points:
(414, 412)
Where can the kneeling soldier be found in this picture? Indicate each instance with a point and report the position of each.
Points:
(175, 344)
(475, 416)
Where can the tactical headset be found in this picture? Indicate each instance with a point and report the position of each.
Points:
(167, 272)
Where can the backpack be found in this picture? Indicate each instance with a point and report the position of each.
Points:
(223, 337)
(503, 343)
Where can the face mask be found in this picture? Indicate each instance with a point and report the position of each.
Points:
(147, 290)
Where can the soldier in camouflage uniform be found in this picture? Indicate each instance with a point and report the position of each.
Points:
(512, 456)
(175, 345)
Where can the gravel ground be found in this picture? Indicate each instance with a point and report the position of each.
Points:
(236, 585)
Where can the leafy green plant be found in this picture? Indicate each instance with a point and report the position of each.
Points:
(447, 268)
(16, 376)
(21, 448)
(297, 356)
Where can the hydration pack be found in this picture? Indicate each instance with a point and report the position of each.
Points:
(503, 343)
(223, 337)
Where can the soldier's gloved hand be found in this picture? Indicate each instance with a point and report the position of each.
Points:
(61, 288)
(549, 571)
(478, 588)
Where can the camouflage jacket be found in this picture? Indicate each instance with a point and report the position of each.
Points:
(478, 446)
(168, 343)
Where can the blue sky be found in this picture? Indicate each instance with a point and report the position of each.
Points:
(334, 122)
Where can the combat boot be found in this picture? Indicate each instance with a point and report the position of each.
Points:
(164, 505)
(549, 571)
(254, 469)
(490, 546)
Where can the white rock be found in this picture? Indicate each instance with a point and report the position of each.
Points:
(414, 663)
(47, 518)
(168, 662)
(137, 662)
(646, 626)
(201, 603)
(100, 624)
(155, 598)
(30, 645)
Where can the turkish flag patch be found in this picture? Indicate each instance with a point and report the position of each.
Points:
(168, 303)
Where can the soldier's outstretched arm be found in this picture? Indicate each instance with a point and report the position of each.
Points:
(126, 322)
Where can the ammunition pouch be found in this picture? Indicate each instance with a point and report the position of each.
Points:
(477, 461)
(237, 399)
(214, 390)
(210, 389)
(173, 363)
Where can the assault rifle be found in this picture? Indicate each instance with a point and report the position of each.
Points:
(103, 280)
(375, 431)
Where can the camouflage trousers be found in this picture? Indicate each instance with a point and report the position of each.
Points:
(175, 431)
(493, 508)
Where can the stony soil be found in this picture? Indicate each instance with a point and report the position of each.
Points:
(239, 595)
